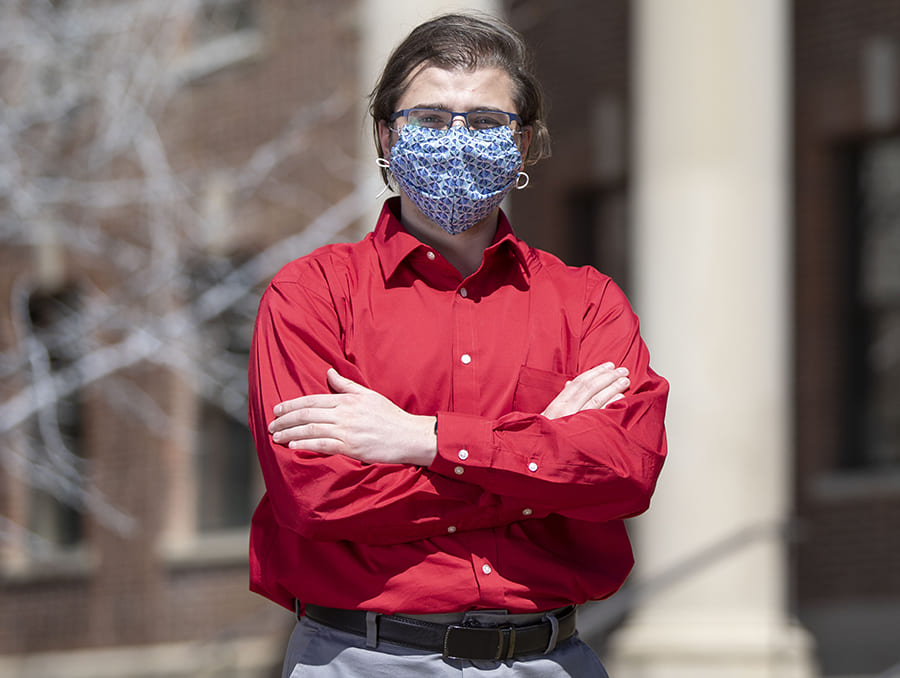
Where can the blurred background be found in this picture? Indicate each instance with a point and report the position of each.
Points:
(733, 164)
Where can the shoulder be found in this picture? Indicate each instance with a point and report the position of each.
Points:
(547, 268)
(579, 291)
(323, 279)
(324, 263)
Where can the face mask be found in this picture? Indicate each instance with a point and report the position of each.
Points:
(456, 177)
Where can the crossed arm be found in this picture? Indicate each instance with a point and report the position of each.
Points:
(362, 424)
(345, 458)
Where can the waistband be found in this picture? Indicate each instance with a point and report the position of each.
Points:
(478, 635)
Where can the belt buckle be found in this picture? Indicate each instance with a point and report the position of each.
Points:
(454, 641)
(452, 636)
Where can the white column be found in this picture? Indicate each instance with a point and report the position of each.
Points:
(711, 254)
(383, 25)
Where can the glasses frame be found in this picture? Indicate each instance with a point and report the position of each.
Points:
(404, 113)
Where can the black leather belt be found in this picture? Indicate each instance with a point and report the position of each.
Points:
(454, 641)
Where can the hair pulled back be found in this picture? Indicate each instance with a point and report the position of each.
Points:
(465, 41)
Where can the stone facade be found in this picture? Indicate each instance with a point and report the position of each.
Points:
(264, 134)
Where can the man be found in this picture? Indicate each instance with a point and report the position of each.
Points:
(451, 425)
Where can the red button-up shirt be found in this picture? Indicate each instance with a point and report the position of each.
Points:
(517, 511)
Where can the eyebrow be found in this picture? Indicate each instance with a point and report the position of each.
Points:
(447, 108)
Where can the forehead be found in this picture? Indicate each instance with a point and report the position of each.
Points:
(458, 89)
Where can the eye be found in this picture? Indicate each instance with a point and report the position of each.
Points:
(425, 117)
(487, 119)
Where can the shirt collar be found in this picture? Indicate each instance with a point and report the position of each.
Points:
(394, 244)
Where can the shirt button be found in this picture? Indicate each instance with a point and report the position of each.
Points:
(463, 292)
(465, 358)
(459, 470)
(451, 529)
(532, 467)
(527, 512)
(486, 568)
(463, 454)
(430, 255)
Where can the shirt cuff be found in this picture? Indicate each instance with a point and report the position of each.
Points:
(465, 446)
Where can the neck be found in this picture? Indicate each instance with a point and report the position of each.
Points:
(464, 250)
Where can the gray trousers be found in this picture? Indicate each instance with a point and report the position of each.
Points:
(317, 651)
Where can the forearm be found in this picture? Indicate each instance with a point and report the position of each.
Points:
(340, 499)
(598, 464)
(332, 496)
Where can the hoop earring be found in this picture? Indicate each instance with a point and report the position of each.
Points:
(385, 165)
(519, 176)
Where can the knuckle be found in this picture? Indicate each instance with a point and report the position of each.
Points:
(285, 421)
(315, 430)
(600, 369)
(320, 445)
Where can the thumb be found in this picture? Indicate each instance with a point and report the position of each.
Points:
(341, 384)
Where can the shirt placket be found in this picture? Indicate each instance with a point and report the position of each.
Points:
(467, 366)
(466, 356)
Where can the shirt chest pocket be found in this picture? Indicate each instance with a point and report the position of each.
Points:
(535, 389)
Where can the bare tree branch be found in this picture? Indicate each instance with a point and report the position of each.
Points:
(83, 92)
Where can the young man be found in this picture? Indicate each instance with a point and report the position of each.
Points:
(451, 425)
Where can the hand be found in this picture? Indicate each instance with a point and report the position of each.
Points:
(593, 389)
(357, 422)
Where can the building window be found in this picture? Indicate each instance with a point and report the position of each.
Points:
(227, 477)
(226, 469)
(57, 472)
(872, 307)
(599, 233)
(220, 18)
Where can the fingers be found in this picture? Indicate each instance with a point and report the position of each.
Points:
(597, 385)
(317, 422)
(313, 409)
(339, 385)
(592, 389)
(602, 373)
(319, 400)
(312, 437)
(616, 397)
(315, 429)
(615, 391)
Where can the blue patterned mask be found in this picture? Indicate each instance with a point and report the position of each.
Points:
(456, 177)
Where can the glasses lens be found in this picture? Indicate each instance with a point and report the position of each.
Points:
(428, 117)
(487, 119)
(436, 118)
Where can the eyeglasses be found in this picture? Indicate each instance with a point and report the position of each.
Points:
(438, 118)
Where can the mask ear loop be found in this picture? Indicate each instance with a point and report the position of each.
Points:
(519, 176)
(384, 164)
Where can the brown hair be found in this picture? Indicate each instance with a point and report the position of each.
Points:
(465, 41)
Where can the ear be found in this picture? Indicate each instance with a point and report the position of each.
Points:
(525, 141)
(384, 137)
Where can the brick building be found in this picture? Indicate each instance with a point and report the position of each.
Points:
(125, 539)
(847, 193)
(257, 108)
